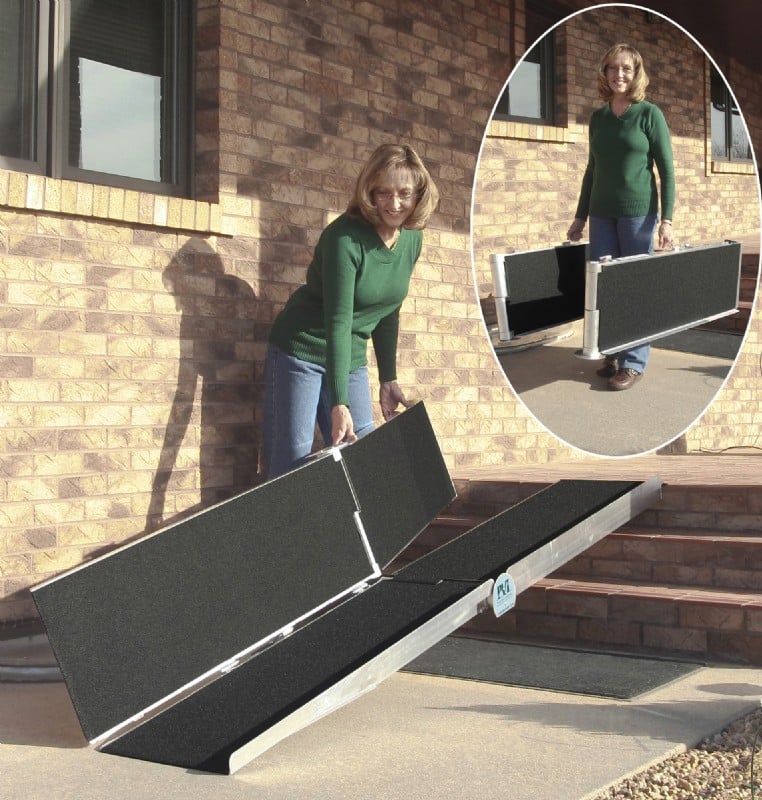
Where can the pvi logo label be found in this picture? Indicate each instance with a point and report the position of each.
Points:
(503, 594)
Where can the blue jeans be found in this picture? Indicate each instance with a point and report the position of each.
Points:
(618, 237)
(297, 396)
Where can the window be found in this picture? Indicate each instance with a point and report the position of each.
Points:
(729, 139)
(529, 93)
(98, 91)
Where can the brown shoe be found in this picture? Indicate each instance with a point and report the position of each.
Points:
(609, 368)
(624, 379)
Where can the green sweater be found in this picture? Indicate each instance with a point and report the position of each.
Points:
(619, 180)
(354, 289)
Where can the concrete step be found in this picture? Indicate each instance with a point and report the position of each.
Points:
(708, 624)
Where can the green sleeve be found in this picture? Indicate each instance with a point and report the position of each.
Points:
(385, 346)
(661, 148)
(583, 205)
(340, 263)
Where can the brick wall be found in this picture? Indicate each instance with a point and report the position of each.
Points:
(132, 326)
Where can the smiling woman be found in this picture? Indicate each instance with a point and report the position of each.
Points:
(360, 273)
(620, 194)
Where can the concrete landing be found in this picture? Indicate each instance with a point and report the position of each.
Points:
(414, 737)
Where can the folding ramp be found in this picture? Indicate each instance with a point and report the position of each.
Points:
(630, 301)
(204, 644)
(623, 301)
(536, 291)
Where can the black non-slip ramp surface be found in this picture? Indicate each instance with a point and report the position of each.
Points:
(138, 624)
(545, 287)
(640, 299)
(205, 643)
(203, 730)
(400, 480)
(490, 548)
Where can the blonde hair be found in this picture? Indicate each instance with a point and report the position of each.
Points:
(640, 81)
(388, 158)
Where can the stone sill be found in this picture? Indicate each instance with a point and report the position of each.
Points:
(508, 129)
(733, 168)
(29, 192)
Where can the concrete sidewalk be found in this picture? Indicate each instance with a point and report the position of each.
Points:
(414, 737)
(565, 395)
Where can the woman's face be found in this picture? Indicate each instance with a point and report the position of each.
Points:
(620, 70)
(395, 197)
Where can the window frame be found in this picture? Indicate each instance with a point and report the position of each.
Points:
(547, 86)
(730, 106)
(40, 64)
(52, 106)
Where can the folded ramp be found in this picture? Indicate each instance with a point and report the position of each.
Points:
(631, 301)
(536, 290)
(141, 623)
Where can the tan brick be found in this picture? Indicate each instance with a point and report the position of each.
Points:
(14, 565)
(57, 416)
(57, 560)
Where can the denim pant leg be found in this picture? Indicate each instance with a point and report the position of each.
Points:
(292, 394)
(296, 396)
(626, 236)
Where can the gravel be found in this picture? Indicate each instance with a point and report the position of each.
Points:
(720, 767)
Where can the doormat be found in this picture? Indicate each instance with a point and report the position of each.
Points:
(715, 344)
(616, 676)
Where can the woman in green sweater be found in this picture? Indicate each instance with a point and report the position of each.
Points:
(628, 136)
(316, 365)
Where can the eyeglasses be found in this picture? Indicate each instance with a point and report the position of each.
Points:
(626, 69)
(385, 196)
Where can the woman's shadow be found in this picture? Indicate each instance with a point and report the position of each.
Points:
(217, 335)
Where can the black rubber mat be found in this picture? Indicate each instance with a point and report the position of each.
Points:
(617, 676)
(716, 344)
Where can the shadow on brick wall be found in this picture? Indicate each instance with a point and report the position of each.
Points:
(215, 398)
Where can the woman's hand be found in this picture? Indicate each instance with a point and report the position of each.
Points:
(391, 397)
(342, 426)
(665, 235)
(574, 234)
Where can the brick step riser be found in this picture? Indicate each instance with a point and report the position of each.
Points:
(721, 631)
(739, 570)
(711, 525)
(700, 560)
(664, 574)
(726, 509)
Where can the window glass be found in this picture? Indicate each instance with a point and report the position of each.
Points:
(525, 88)
(18, 87)
(118, 88)
(740, 145)
(729, 138)
(529, 93)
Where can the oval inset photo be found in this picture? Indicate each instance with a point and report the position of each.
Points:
(615, 225)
